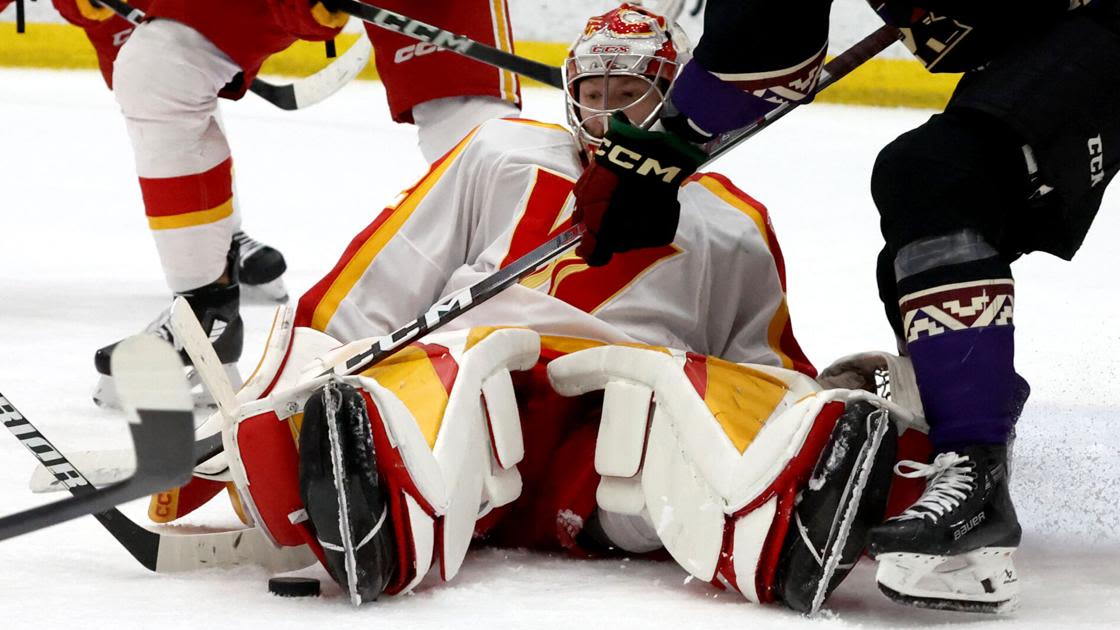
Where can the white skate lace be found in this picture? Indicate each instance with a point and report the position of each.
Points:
(952, 479)
(247, 245)
(161, 327)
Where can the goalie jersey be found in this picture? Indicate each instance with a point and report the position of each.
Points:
(718, 289)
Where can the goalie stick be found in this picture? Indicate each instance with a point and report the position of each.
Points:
(155, 393)
(454, 305)
(290, 96)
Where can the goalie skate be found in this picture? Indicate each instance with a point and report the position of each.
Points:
(341, 491)
(845, 497)
(952, 549)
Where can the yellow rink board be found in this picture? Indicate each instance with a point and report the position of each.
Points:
(888, 82)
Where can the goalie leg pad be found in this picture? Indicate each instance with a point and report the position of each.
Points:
(714, 451)
(446, 438)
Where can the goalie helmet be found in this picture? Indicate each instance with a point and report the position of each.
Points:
(630, 41)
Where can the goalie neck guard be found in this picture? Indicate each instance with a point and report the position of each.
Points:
(629, 41)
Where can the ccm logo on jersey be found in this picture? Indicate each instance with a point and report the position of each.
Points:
(120, 38)
(634, 161)
(1096, 160)
(414, 50)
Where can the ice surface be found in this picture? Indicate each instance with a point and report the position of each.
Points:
(78, 270)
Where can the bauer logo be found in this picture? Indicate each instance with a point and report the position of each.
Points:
(969, 525)
(1096, 160)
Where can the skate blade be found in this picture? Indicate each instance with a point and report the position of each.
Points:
(981, 581)
(105, 392)
(271, 292)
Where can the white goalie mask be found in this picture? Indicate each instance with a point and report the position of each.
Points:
(635, 55)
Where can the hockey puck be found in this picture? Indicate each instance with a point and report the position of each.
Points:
(294, 586)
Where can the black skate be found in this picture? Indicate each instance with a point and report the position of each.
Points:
(261, 268)
(952, 549)
(216, 307)
(845, 497)
(341, 491)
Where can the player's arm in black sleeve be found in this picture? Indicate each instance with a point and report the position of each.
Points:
(753, 56)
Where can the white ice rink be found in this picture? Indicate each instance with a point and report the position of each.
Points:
(78, 270)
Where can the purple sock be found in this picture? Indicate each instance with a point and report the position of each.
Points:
(962, 342)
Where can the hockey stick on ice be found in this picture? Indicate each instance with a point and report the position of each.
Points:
(159, 552)
(150, 377)
(108, 466)
(392, 21)
(301, 93)
(454, 305)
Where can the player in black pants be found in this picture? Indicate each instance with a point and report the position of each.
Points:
(1018, 162)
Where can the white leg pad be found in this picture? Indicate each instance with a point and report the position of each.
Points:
(505, 422)
(622, 429)
(688, 516)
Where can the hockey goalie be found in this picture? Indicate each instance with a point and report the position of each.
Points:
(660, 401)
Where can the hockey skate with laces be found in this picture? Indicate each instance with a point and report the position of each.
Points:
(952, 548)
(216, 307)
(261, 269)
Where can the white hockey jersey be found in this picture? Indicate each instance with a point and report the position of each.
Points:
(718, 289)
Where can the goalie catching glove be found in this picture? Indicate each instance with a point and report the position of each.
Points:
(627, 198)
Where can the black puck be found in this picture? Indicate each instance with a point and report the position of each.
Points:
(293, 586)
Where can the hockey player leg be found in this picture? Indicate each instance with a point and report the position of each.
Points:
(166, 80)
(951, 548)
(339, 486)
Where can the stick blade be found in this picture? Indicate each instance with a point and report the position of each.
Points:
(149, 375)
(156, 393)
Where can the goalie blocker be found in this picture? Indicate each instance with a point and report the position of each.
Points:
(752, 477)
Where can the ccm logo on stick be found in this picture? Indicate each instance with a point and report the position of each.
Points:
(419, 30)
